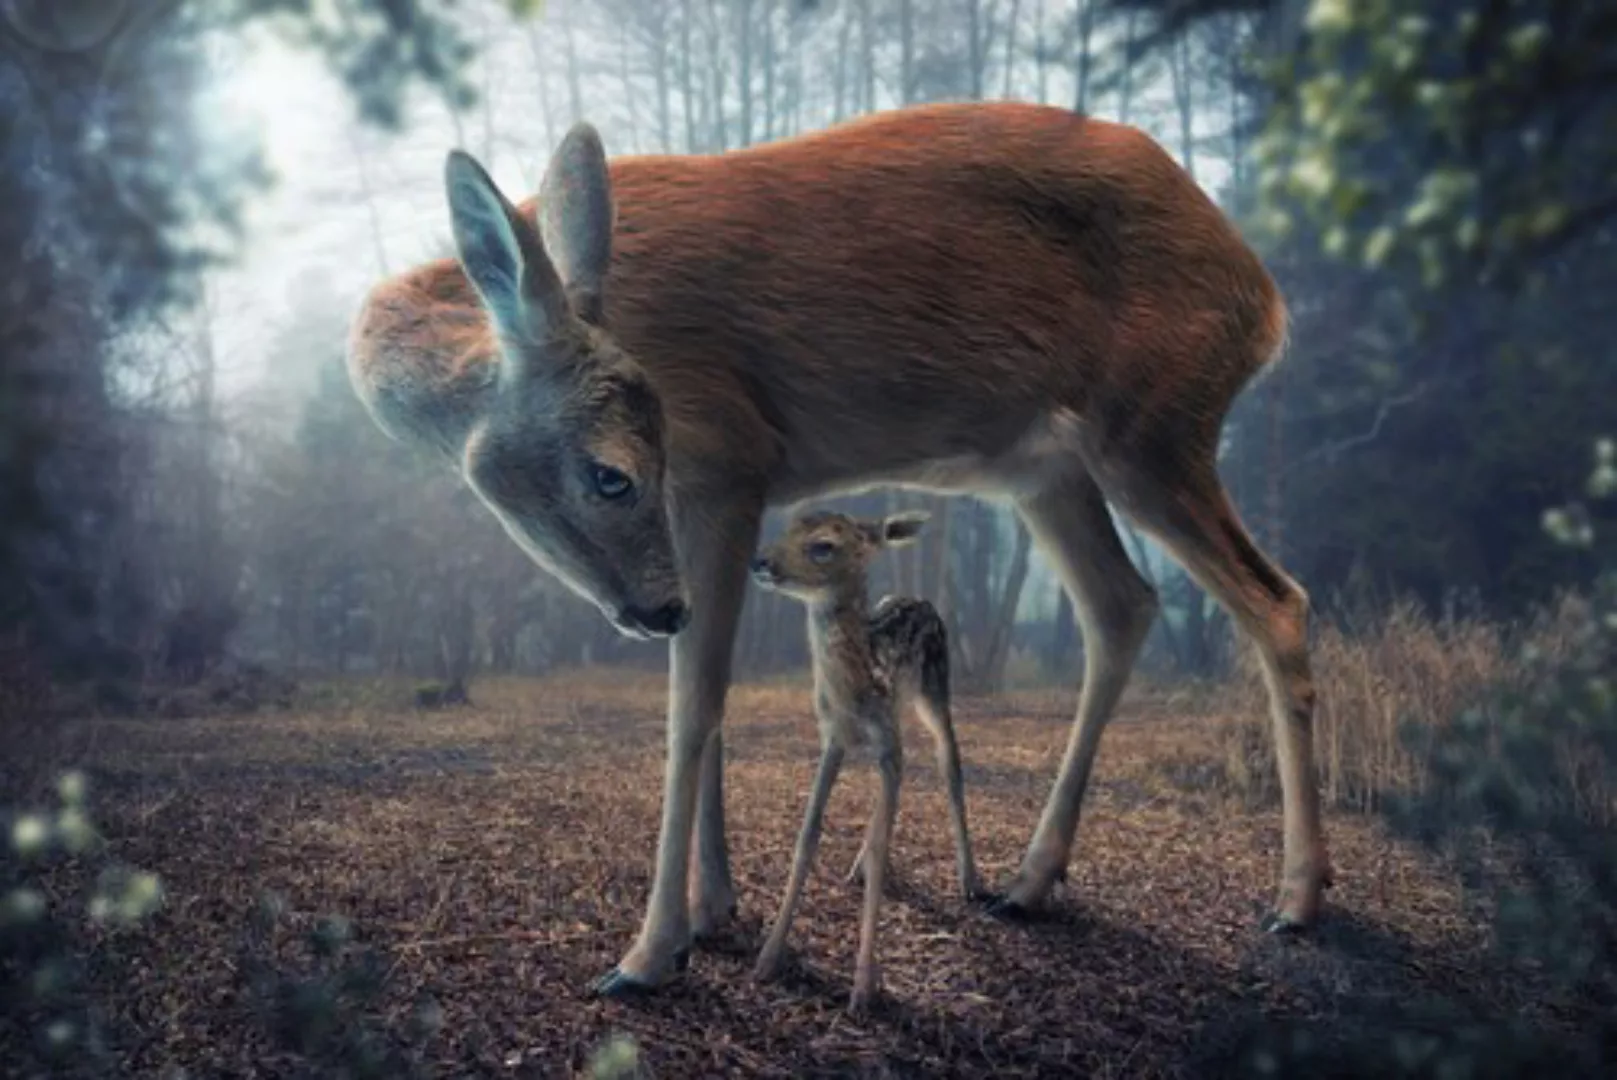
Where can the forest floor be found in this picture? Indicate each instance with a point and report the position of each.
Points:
(497, 858)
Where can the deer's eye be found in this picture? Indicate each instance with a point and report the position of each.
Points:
(821, 551)
(609, 482)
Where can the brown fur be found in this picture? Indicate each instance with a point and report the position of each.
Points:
(1001, 298)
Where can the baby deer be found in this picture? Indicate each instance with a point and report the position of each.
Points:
(866, 667)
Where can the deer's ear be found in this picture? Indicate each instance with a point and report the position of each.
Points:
(501, 254)
(575, 217)
(902, 528)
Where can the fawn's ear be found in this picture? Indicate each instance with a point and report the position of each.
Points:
(502, 255)
(575, 217)
(902, 528)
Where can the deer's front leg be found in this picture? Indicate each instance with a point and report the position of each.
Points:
(712, 891)
(808, 839)
(715, 539)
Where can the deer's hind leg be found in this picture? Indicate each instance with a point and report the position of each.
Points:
(1071, 524)
(1186, 508)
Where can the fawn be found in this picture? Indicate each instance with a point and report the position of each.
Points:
(994, 298)
(867, 666)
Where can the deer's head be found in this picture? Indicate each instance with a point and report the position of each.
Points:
(567, 448)
(824, 554)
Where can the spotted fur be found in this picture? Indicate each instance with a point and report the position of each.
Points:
(867, 666)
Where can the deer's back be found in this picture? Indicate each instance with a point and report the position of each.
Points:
(926, 295)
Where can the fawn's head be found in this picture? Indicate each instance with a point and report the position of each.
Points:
(568, 451)
(824, 553)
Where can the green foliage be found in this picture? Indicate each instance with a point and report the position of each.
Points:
(617, 1057)
(1463, 140)
(328, 1013)
(49, 1016)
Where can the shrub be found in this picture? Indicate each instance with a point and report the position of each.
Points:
(50, 1018)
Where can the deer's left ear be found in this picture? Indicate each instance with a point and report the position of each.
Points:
(902, 528)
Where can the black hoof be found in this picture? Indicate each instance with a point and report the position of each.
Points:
(1282, 925)
(617, 984)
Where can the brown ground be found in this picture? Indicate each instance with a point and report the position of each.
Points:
(499, 858)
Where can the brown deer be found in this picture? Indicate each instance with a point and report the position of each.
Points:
(997, 298)
(867, 666)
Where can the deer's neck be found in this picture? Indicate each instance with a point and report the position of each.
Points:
(839, 631)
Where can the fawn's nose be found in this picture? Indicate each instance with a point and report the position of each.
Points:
(758, 565)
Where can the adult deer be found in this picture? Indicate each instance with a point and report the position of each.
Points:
(998, 298)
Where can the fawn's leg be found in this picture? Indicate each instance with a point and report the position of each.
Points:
(865, 974)
(714, 540)
(808, 839)
(856, 872)
(935, 714)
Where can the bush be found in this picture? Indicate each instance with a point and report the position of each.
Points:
(50, 1019)
(1395, 670)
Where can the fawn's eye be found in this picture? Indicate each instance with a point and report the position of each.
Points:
(821, 551)
(610, 483)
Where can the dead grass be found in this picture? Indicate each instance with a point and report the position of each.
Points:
(498, 857)
(1403, 667)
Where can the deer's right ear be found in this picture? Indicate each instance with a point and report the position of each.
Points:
(501, 254)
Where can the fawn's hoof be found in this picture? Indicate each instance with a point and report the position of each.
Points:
(1002, 907)
(1280, 924)
(619, 985)
(768, 968)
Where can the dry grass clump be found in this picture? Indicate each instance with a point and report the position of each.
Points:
(1400, 668)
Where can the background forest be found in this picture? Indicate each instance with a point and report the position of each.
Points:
(198, 519)
(188, 477)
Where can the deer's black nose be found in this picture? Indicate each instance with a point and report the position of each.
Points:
(758, 565)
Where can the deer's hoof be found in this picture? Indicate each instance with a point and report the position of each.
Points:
(619, 985)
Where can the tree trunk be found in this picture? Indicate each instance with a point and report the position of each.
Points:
(575, 79)
(840, 77)
(768, 59)
(867, 56)
(743, 10)
(1004, 628)
(1184, 99)
(1083, 61)
(715, 54)
(1041, 66)
(687, 92)
(906, 51)
(630, 98)
(1010, 45)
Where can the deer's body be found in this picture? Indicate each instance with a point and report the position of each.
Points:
(935, 296)
(867, 668)
(998, 298)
